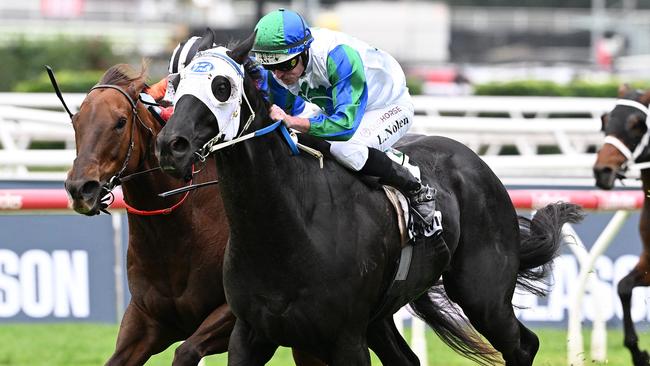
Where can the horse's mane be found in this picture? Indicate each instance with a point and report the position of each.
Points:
(253, 69)
(123, 75)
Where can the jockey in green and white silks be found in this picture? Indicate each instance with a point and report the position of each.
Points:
(354, 84)
(361, 90)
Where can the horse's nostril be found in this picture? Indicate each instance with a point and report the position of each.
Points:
(82, 189)
(605, 176)
(89, 189)
(179, 144)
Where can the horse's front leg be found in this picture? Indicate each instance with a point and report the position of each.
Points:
(139, 338)
(211, 337)
(248, 349)
(631, 340)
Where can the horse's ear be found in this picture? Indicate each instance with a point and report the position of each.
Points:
(241, 51)
(139, 83)
(603, 121)
(623, 90)
(207, 40)
(136, 87)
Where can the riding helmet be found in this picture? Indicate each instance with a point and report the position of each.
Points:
(280, 35)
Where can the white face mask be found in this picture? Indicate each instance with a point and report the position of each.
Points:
(196, 80)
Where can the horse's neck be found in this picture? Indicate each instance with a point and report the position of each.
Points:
(141, 191)
(278, 199)
(258, 179)
(644, 226)
(645, 183)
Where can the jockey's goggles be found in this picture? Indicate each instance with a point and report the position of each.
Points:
(284, 66)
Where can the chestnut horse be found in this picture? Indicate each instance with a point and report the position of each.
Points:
(176, 245)
(626, 142)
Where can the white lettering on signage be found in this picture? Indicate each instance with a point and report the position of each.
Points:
(10, 202)
(554, 307)
(41, 284)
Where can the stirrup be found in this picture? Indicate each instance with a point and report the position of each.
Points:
(423, 195)
(424, 228)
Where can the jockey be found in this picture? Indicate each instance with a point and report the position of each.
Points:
(163, 91)
(361, 90)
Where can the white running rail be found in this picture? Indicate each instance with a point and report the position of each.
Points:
(527, 123)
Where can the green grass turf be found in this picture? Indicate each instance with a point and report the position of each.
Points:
(84, 344)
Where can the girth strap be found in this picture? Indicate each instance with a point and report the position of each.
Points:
(419, 267)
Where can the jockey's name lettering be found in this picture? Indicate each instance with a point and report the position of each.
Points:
(391, 112)
(393, 129)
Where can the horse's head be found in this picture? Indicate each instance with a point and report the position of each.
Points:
(107, 139)
(208, 104)
(626, 136)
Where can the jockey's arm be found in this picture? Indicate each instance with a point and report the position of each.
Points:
(297, 123)
(157, 90)
(349, 94)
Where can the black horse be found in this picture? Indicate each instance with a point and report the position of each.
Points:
(312, 251)
(627, 134)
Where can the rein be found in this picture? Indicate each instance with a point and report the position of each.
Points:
(117, 178)
(212, 145)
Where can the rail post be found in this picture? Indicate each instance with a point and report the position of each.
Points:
(575, 351)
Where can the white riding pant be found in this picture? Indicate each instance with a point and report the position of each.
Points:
(379, 128)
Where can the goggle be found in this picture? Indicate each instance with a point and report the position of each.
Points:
(284, 66)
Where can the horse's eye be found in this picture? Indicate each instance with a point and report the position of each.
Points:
(221, 88)
(120, 123)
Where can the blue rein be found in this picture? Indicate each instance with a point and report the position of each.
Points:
(285, 133)
(211, 146)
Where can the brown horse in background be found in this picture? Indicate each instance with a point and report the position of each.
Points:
(626, 142)
(174, 260)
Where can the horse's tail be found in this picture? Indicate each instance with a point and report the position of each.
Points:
(541, 238)
(452, 327)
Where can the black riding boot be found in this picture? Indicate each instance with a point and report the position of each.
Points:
(421, 197)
